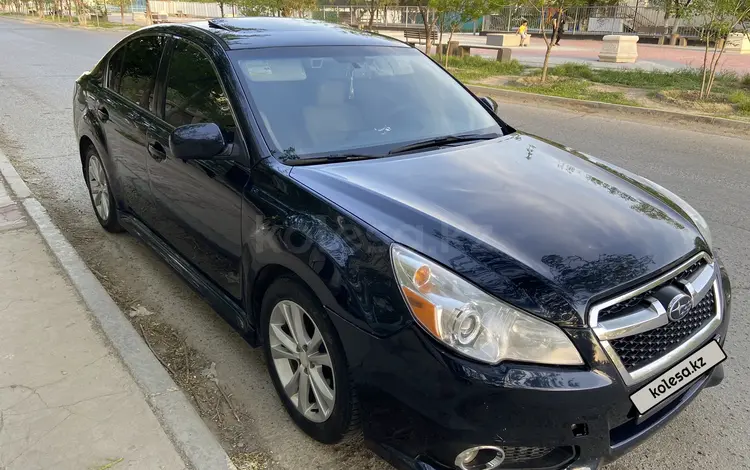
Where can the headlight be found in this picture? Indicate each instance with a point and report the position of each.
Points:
(472, 322)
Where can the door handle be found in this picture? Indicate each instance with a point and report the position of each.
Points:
(156, 151)
(103, 114)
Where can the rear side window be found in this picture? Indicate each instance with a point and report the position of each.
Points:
(132, 69)
(194, 93)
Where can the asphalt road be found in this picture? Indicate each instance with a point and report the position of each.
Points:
(38, 65)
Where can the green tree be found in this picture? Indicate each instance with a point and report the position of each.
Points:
(452, 14)
(546, 10)
(724, 17)
(676, 11)
(275, 7)
(374, 6)
(429, 20)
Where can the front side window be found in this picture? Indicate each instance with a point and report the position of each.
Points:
(326, 100)
(193, 93)
(132, 69)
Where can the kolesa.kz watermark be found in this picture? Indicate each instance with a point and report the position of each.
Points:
(678, 377)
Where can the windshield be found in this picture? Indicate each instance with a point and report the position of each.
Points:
(338, 100)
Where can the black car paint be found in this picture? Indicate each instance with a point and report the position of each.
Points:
(510, 404)
(529, 222)
(332, 227)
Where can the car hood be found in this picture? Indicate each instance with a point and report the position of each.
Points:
(536, 224)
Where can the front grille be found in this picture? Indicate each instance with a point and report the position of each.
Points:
(638, 350)
(537, 458)
(627, 305)
(524, 454)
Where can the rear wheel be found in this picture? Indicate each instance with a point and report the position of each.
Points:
(100, 191)
(307, 363)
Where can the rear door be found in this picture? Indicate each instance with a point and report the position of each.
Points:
(198, 202)
(125, 112)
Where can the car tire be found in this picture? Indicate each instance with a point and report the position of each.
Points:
(100, 191)
(342, 421)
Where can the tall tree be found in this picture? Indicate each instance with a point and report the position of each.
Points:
(372, 8)
(429, 20)
(724, 17)
(452, 14)
(546, 10)
(276, 7)
(674, 12)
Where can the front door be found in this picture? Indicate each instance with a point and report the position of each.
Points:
(198, 206)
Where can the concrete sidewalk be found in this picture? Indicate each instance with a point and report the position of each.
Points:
(66, 400)
(586, 51)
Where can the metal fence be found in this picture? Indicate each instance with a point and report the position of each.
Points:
(594, 20)
(193, 9)
(589, 20)
(396, 17)
(405, 16)
(88, 10)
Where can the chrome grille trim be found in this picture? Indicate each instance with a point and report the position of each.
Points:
(646, 319)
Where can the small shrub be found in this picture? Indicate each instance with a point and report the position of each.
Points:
(577, 89)
(685, 79)
(573, 70)
(741, 101)
(745, 83)
(476, 68)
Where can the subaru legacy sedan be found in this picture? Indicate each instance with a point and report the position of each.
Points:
(465, 295)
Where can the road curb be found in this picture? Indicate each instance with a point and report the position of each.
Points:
(667, 117)
(198, 447)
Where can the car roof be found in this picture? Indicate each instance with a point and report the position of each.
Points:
(260, 32)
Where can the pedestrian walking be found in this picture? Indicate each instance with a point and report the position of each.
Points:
(523, 31)
(558, 26)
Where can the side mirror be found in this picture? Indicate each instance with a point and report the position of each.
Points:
(197, 141)
(489, 103)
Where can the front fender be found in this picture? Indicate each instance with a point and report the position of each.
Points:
(343, 261)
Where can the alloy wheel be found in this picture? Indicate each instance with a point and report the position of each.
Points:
(98, 187)
(302, 361)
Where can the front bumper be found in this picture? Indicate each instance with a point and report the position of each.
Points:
(422, 405)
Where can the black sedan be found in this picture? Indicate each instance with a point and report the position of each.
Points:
(466, 295)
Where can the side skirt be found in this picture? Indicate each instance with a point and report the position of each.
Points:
(226, 307)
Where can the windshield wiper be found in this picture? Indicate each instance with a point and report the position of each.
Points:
(345, 157)
(445, 140)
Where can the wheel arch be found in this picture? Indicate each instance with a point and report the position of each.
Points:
(265, 278)
(84, 144)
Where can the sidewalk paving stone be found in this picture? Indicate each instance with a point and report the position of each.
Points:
(66, 400)
(586, 51)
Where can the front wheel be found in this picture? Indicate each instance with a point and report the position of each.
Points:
(307, 363)
(100, 192)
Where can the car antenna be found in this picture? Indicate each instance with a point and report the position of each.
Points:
(214, 23)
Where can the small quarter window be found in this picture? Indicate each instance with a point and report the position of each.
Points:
(114, 70)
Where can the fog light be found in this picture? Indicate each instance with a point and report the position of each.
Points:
(480, 458)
